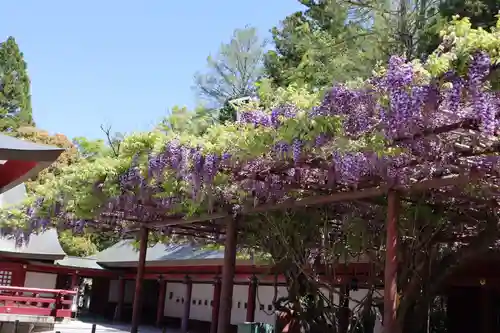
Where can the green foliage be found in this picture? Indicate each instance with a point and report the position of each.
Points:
(318, 46)
(15, 97)
(90, 149)
(481, 13)
(68, 157)
(460, 41)
(300, 96)
(81, 150)
(181, 120)
(76, 182)
(232, 72)
(76, 246)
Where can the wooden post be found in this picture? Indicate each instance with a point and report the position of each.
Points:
(75, 285)
(187, 304)
(215, 305)
(74, 281)
(160, 308)
(226, 300)
(121, 298)
(137, 306)
(252, 294)
(391, 265)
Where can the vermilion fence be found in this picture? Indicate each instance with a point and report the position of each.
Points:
(37, 302)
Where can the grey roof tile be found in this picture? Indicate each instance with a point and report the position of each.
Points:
(16, 149)
(78, 262)
(125, 251)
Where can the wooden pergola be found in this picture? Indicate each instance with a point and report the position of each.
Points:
(470, 160)
(441, 187)
(228, 225)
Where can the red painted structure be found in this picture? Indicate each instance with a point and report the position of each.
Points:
(24, 160)
(36, 302)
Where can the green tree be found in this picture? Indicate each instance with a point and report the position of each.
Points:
(482, 13)
(15, 97)
(324, 43)
(182, 120)
(340, 40)
(81, 150)
(78, 246)
(68, 157)
(233, 72)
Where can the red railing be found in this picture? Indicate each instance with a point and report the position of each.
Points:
(37, 302)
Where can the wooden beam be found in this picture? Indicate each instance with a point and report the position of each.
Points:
(330, 198)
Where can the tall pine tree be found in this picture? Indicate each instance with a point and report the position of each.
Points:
(15, 97)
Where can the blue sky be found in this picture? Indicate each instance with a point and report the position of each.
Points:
(122, 63)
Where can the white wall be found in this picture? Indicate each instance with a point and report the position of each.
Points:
(201, 300)
(239, 307)
(174, 300)
(40, 280)
(264, 310)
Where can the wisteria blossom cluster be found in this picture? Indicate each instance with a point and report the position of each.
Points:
(406, 124)
(385, 116)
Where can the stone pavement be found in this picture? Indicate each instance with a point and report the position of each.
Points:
(76, 326)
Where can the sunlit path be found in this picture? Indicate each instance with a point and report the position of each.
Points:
(86, 327)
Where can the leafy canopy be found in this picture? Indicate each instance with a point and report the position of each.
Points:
(85, 188)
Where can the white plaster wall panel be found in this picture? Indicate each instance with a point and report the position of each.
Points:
(239, 307)
(355, 299)
(40, 280)
(329, 296)
(201, 300)
(325, 292)
(378, 324)
(354, 304)
(264, 311)
(174, 302)
(114, 287)
(128, 297)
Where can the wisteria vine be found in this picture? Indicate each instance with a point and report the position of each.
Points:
(386, 132)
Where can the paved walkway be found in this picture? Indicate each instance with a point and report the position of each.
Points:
(86, 327)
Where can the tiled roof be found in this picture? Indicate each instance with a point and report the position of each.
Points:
(17, 149)
(78, 262)
(126, 251)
